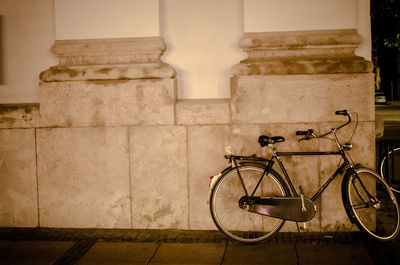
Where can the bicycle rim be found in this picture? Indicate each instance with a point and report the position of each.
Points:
(373, 204)
(393, 174)
(239, 224)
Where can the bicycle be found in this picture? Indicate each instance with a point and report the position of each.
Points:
(390, 168)
(250, 201)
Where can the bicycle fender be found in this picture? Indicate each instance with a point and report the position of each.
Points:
(225, 171)
(215, 180)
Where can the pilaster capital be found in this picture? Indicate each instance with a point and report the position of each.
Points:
(301, 52)
(105, 59)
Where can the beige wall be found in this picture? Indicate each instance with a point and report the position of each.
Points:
(28, 33)
(277, 15)
(201, 35)
(97, 19)
(202, 39)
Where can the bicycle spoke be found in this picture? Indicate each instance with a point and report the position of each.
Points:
(360, 206)
(239, 224)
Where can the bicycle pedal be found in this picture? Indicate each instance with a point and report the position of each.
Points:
(304, 228)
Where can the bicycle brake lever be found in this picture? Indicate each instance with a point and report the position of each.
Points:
(308, 137)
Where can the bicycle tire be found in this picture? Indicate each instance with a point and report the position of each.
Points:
(239, 224)
(396, 165)
(371, 204)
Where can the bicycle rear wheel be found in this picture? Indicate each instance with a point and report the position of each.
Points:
(371, 204)
(390, 169)
(240, 224)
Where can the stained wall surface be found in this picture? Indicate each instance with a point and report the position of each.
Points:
(135, 114)
(27, 33)
(87, 158)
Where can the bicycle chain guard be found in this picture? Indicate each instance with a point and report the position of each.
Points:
(287, 208)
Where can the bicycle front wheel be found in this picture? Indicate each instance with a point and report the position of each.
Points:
(236, 222)
(371, 204)
(390, 168)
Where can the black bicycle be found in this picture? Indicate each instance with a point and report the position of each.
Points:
(250, 201)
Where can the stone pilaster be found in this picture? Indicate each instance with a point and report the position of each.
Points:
(301, 77)
(108, 82)
(295, 81)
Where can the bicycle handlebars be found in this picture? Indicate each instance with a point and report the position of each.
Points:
(309, 134)
(341, 112)
(310, 131)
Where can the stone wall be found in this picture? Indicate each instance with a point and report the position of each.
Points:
(111, 146)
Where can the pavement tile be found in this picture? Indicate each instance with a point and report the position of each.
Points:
(260, 254)
(384, 253)
(189, 254)
(327, 254)
(4, 243)
(33, 252)
(118, 253)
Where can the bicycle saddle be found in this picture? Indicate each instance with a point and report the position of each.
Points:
(265, 140)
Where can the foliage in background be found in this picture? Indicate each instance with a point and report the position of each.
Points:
(385, 17)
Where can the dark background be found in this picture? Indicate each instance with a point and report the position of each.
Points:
(385, 25)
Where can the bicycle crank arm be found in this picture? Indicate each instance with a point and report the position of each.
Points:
(286, 208)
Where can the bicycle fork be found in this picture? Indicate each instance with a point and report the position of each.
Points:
(372, 201)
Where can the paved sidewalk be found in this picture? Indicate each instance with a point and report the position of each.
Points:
(188, 247)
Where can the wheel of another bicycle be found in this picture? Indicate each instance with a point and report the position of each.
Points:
(393, 168)
(240, 224)
(372, 204)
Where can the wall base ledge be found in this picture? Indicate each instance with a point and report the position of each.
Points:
(19, 115)
(158, 235)
(349, 65)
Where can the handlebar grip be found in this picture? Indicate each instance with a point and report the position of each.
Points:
(301, 132)
(307, 133)
(341, 112)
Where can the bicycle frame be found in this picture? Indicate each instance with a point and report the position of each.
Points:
(338, 171)
(345, 165)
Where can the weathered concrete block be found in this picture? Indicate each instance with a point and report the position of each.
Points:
(206, 158)
(244, 139)
(203, 111)
(18, 195)
(107, 103)
(84, 177)
(301, 98)
(19, 116)
(159, 177)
